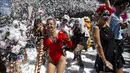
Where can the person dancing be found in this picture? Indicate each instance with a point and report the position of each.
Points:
(108, 58)
(53, 42)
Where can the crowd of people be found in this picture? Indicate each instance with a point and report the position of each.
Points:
(74, 33)
(55, 36)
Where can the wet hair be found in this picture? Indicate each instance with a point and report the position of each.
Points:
(51, 19)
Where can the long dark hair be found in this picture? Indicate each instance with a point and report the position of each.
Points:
(36, 21)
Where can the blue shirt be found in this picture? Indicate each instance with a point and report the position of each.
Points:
(115, 26)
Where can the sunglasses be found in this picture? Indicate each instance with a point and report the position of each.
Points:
(105, 14)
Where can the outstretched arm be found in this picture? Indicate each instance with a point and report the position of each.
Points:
(107, 2)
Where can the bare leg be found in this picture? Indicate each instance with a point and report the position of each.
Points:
(11, 66)
(61, 65)
(18, 69)
(51, 67)
(80, 47)
(102, 72)
(120, 70)
(25, 55)
(77, 50)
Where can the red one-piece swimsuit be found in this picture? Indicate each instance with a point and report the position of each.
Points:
(55, 48)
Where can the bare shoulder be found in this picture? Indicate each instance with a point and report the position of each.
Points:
(60, 31)
(41, 27)
(95, 28)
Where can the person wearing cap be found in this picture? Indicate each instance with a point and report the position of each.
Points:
(64, 24)
(79, 39)
(65, 27)
(108, 55)
(88, 25)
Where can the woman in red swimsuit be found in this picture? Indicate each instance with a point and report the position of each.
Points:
(53, 41)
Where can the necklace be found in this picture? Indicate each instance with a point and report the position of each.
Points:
(53, 36)
(53, 39)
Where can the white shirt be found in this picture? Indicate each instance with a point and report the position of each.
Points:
(65, 28)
